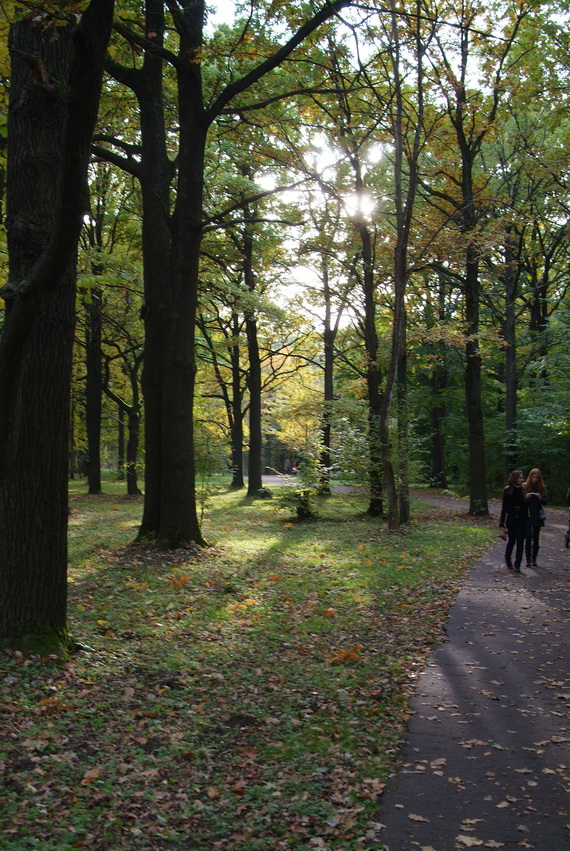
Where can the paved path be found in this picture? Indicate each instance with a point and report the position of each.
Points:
(487, 759)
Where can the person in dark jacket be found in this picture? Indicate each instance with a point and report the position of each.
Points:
(514, 517)
(535, 494)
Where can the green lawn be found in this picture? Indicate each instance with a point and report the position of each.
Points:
(248, 696)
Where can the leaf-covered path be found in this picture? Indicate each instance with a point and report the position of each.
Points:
(487, 760)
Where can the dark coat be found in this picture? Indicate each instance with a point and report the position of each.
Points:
(514, 506)
(535, 503)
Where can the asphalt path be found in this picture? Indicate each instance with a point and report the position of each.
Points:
(487, 757)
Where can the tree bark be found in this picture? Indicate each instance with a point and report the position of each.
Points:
(329, 336)
(132, 451)
(120, 444)
(373, 378)
(93, 390)
(155, 173)
(55, 88)
(236, 405)
(474, 406)
(511, 381)
(254, 471)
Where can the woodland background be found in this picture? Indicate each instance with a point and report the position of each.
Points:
(331, 236)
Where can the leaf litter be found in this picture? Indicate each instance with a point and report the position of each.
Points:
(251, 701)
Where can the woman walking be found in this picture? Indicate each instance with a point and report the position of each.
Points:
(535, 500)
(514, 517)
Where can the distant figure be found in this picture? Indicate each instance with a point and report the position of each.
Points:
(287, 467)
(514, 519)
(535, 500)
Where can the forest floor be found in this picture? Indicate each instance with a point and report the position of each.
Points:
(250, 695)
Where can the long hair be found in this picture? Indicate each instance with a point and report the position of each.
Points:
(514, 478)
(540, 486)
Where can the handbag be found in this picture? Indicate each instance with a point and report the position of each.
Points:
(541, 515)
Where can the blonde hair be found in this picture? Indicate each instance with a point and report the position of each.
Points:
(540, 486)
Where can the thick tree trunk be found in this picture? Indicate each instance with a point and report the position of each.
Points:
(33, 487)
(179, 524)
(55, 87)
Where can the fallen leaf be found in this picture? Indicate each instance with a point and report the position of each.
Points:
(91, 775)
(415, 817)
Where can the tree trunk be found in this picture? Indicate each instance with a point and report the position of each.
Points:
(120, 444)
(509, 333)
(403, 438)
(255, 462)
(438, 382)
(155, 173)
(55, 87)
(373, 380)
(93, 390)
(329, 336)
(254, 473)
(179, 524)
(476, 440)
(237, 416)
(132, 452)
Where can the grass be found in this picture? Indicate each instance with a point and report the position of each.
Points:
(252, 695)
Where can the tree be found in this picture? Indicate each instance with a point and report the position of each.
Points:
(55, 88)
(462, 187)
(171, 366)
